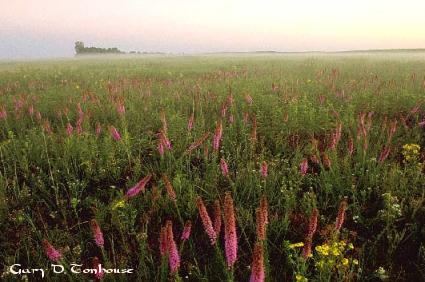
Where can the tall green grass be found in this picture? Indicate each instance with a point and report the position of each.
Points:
(53, 184)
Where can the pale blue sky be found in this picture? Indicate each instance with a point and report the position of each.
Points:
(49, 28)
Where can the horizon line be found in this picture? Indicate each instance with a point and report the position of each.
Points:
(158, 53)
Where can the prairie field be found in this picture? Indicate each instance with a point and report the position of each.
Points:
(232, 167)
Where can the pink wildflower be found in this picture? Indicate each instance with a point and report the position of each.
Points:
(257, 266)
(99, 273)
(69, 129)
(160, 148)
(186, 231)
(163, 246)
(51, 252)
(174, 257)
(306, 253)
(312, 225)
(224, 167)
(164, 140)
(264, 169)
(341, 214)
(170, 190)
(139, 187)
(79, 126)
(206, 221)
(97, 233)
(304, 166)
(230, 238)
(217, 217)
(384, 154)
(115, 134)
(262, 219)
(217, 136)
(198, 142)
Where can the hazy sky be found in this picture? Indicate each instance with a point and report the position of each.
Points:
(49, 28)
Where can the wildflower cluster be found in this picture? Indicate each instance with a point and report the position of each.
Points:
(411, 153)
(331, 256)
(329, 259)
(392, 208)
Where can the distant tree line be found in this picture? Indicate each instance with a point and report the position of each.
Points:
(81, 49)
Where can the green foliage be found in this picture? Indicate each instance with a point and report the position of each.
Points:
(80, 49)
(54, 180)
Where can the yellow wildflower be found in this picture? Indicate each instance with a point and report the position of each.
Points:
(300, 278)
(320, 264)
(118, 204)
(296, 245)
(410, 152)
(323, 249)
(335, 252)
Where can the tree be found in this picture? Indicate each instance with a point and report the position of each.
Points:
(79, 47)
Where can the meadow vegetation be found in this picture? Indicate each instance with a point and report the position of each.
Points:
(215, 168)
